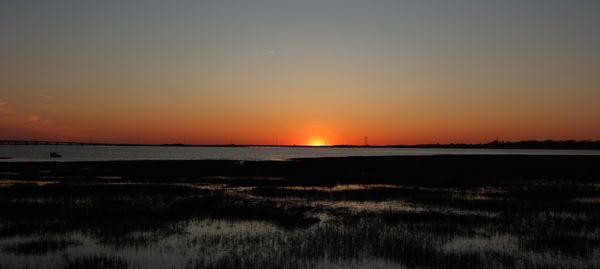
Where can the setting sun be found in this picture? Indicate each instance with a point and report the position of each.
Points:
(317, 142)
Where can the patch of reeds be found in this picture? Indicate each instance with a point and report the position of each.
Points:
(39, 246)
(97, 262)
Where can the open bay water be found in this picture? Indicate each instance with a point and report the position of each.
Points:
(131, 153)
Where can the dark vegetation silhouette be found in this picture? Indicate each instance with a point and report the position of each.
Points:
(524, 144)
(426, 212)
(441, 170)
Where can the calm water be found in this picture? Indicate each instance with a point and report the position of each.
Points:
(108, 153)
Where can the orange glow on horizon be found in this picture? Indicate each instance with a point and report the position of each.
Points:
(317, 142)
(276, 73)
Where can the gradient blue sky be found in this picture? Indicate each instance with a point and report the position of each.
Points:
(297, 72)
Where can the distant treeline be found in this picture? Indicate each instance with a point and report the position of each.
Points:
(528, 144)
(497, 144)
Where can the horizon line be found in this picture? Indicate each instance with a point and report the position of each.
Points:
(565, 142)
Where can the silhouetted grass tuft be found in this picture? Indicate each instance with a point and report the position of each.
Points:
(97, 262)
(36, 247)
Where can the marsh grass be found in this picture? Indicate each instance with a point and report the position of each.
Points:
(290, 214)
(39, 246)
(141, 215)
(344, 243)
(557, 242)
(366, 194)
(118, 211)
(96, 262)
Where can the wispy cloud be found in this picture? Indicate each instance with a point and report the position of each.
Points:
(45, 96)
(269, 52)
(9, 116)
(16, 124)
(34, 119)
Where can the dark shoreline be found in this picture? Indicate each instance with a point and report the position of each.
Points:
(496, 144)
(439, 169)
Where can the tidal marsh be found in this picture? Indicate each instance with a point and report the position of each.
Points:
(192, 222)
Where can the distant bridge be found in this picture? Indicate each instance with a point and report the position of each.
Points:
(39, 142)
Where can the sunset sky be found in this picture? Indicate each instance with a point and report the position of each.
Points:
(296, 72)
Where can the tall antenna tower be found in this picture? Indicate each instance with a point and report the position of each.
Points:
(366, 141)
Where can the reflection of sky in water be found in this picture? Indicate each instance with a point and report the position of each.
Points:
(212, 239)
(502, 243)
(169, 251)
(344, 187)
(111, 153)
